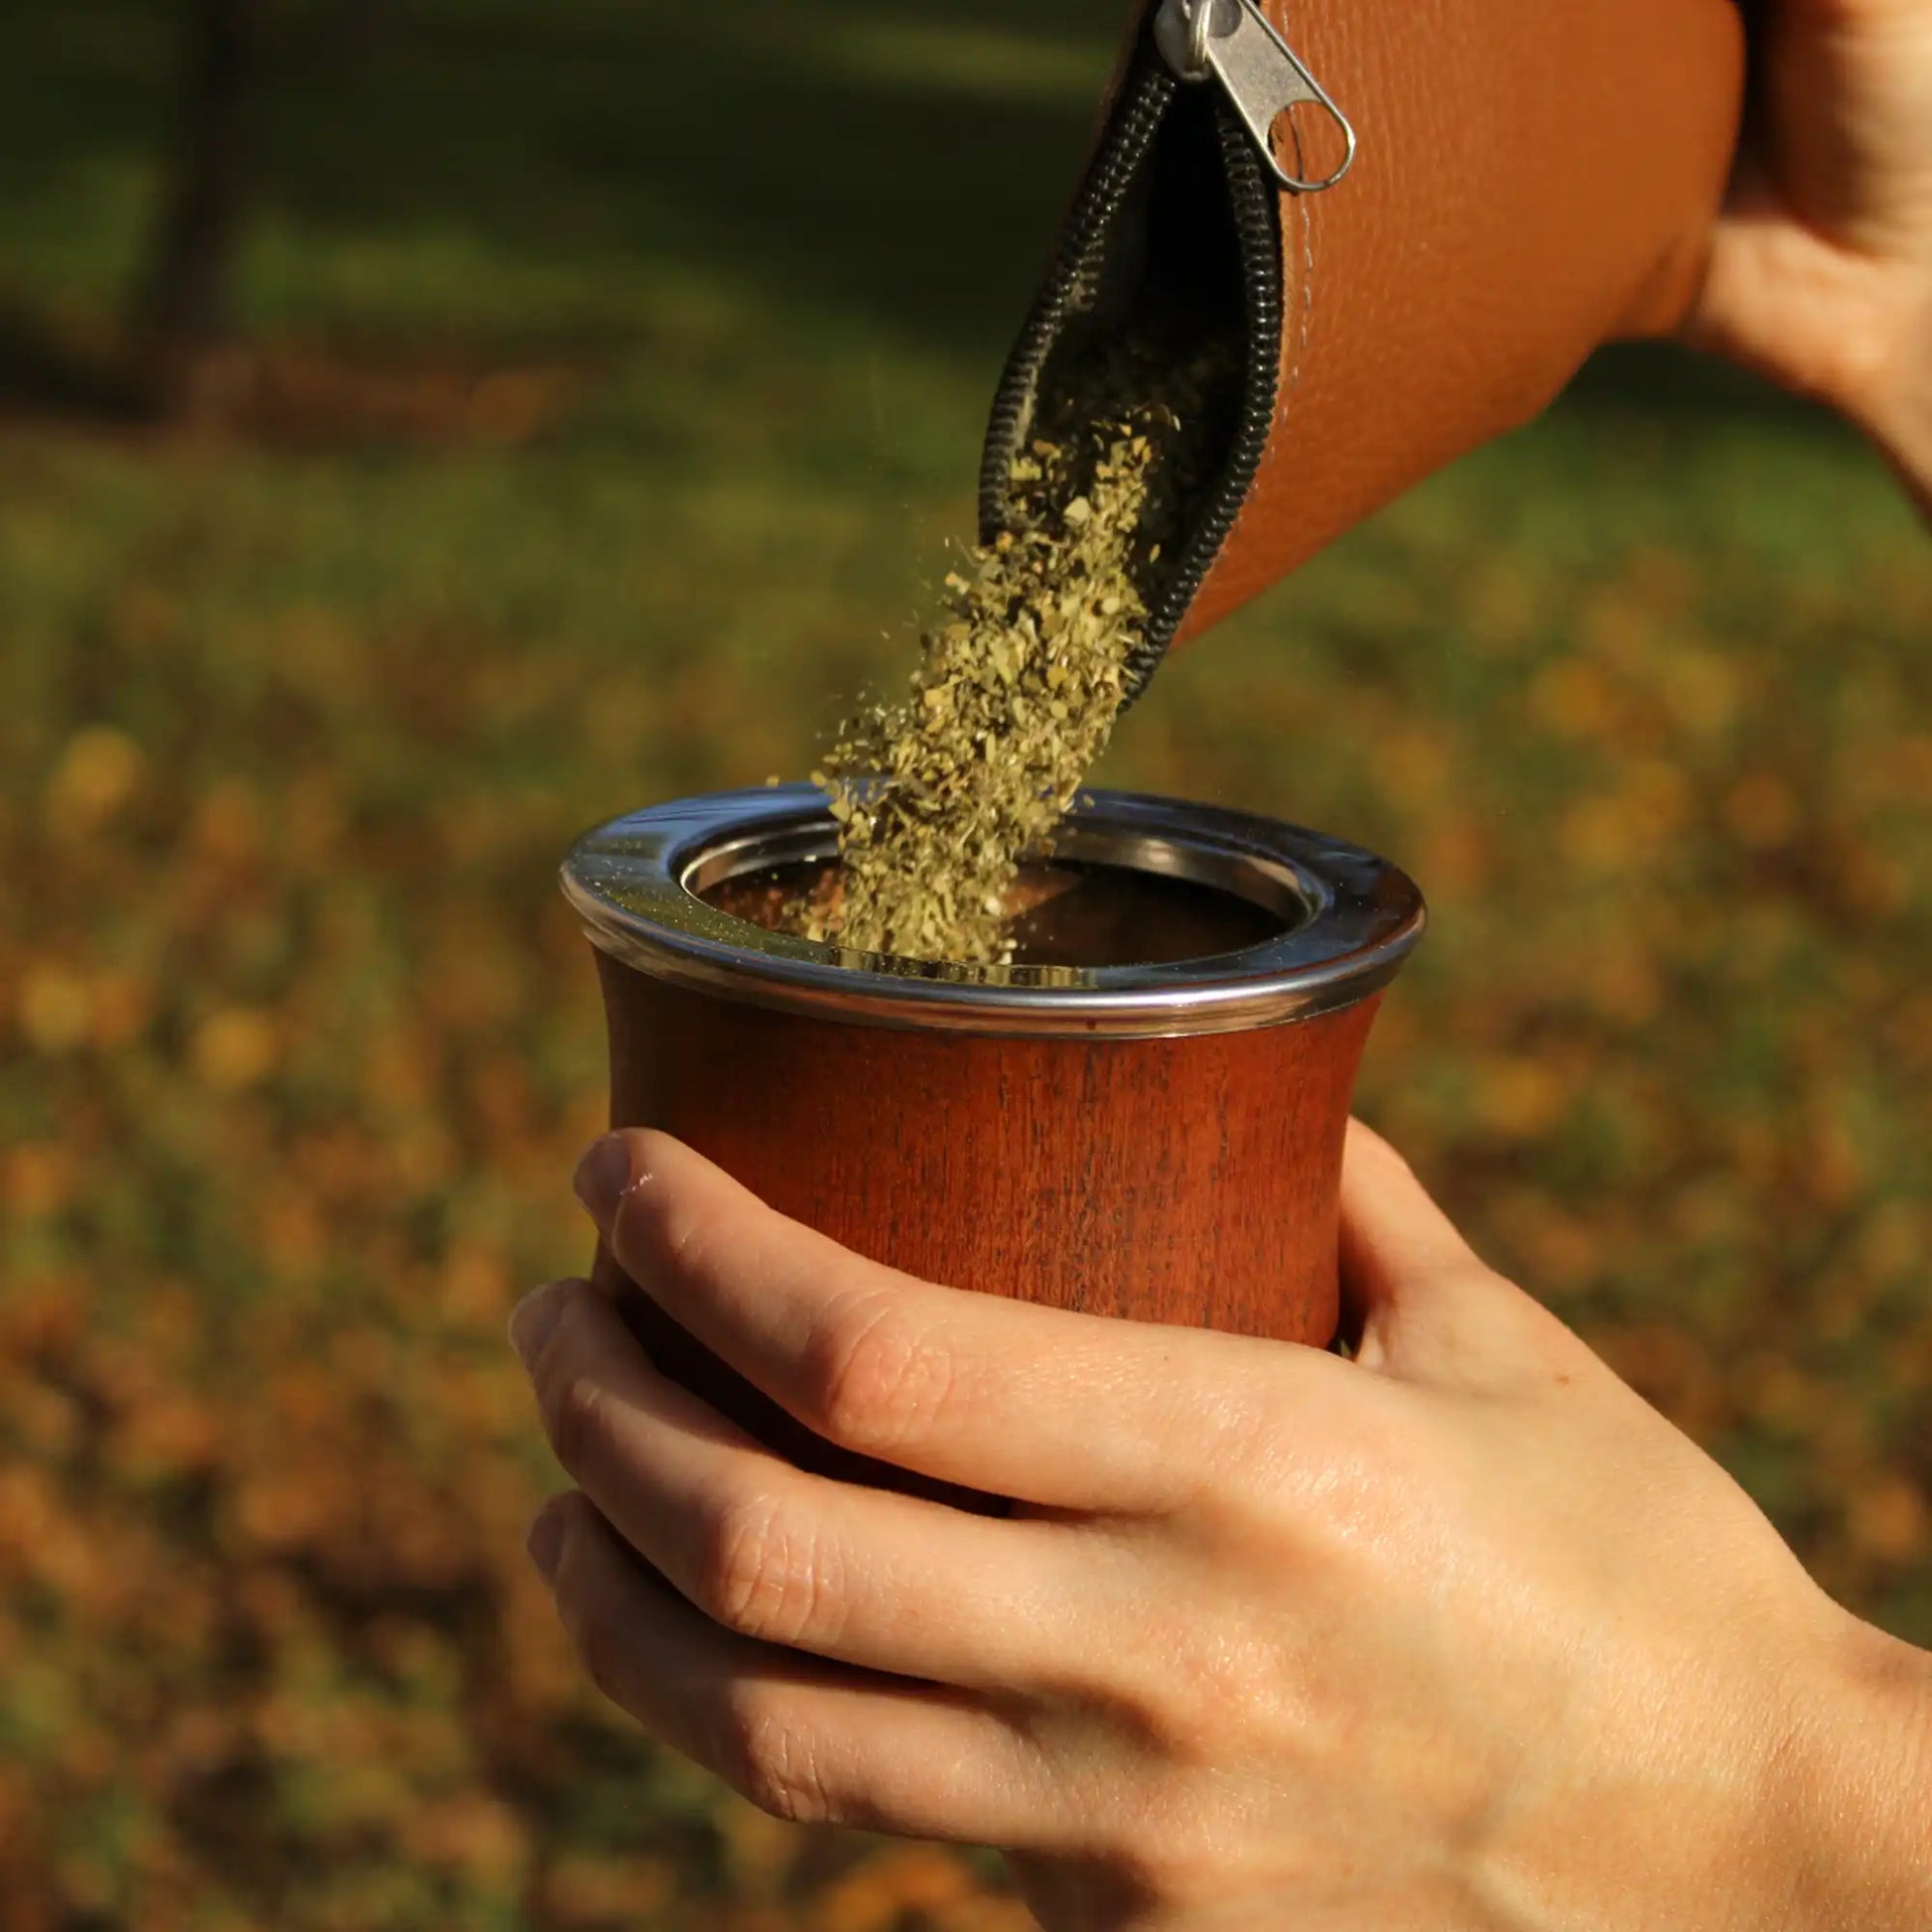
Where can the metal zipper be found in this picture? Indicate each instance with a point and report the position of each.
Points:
(1256, 208)
(1233, 42)
(1072, 273)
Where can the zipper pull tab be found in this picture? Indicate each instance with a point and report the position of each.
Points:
(1232, 42)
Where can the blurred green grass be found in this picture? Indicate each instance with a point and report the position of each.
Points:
(625, 365)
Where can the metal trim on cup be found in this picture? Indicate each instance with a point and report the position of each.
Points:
(1351, 919)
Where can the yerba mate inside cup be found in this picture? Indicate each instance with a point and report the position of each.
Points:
(1143, 1116)
(1152, 919)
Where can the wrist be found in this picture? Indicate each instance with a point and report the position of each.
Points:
(1856, 1815)
(1807, 1809)
(1895, 409)
(1910, 447)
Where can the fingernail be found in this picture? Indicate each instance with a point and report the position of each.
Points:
(603, 1176)
(545, 1542)
(534, 1319)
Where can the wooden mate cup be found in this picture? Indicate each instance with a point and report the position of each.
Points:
(1142, 1117)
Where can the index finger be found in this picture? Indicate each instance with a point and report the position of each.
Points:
(1064, 1410)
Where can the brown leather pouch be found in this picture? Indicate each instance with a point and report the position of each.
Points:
(1532, 178)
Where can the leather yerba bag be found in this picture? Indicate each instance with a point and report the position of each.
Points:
(1388, 244)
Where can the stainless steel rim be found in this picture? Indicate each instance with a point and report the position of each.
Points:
(1353, 919)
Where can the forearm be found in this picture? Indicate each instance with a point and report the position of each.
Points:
(1893, 404)
(1908, 442)
(1879, 376)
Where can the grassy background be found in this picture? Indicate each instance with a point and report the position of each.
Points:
(621, 374)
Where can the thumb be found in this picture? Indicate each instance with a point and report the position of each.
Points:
(1401, 1259)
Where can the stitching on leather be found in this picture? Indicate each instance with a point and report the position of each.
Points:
(1307, 279)
(1304, 321)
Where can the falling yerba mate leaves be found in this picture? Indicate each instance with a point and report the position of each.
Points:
(940, 793)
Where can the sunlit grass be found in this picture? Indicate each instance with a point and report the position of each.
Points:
(297, 1042)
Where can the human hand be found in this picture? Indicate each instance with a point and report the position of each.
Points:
(1821, 269)
(1459, 1634)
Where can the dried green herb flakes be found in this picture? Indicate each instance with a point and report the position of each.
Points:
(938, 794)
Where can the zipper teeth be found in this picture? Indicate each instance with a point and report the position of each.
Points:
(1257, 217)
(1076, 259)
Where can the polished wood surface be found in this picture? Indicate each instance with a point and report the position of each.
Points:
(1190, 1180)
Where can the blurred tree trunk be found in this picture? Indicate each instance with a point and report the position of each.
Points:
(359, 26)
(184, 302)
